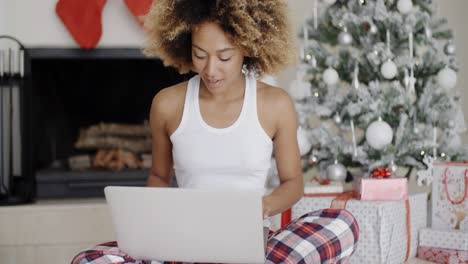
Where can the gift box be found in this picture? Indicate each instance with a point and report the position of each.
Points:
(388, 189)
(383, 236)
(443, 255)
(453, 239)
(328, 187)
(450, 196)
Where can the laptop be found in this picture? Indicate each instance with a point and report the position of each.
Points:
(188, 225)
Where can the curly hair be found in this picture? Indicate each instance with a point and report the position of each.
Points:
(259, 27)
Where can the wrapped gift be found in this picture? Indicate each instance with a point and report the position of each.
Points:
(330, 187)
(450, 196)
(453, 239)
(383, 235)
(386, 189)
(443, 255)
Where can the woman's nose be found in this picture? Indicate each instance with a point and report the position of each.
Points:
(210, 68)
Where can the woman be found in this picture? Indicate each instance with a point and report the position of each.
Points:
(219, 129)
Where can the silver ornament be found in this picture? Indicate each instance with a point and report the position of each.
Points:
(344, 38)
(336, 172)
(428, 32)
(449, 49)
(451, 124)
(313, 159)
(337, 119)
(393, 167)
(373, 29)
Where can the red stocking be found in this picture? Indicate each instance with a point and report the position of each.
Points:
(82, 18)
(138, 8)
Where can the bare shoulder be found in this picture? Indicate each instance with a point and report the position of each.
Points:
(168, 104)
(275, 108)
(274, 98)
(169, 98)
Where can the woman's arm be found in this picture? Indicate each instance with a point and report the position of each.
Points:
(161, 171)
(287, 156)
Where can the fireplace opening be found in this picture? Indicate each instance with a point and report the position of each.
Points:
(90, 112)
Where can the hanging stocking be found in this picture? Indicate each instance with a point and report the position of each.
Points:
(138, 8)
(82, 18)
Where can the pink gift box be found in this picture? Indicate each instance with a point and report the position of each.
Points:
(442, 255)
(390, 189)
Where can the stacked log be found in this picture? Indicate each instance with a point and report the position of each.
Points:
(117, 146)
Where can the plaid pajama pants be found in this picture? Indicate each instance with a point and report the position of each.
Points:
(324, 236)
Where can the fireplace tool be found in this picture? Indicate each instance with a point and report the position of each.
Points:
(12, 54)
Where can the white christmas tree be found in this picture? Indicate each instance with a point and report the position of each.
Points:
(382, 91)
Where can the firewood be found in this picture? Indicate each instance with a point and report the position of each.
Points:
(113, 129)
(136, 145)
(116, 159)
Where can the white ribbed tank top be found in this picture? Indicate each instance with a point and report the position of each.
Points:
(235, 157)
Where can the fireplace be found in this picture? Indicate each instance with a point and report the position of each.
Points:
(74, 89)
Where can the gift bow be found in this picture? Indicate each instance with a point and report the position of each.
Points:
(381, 173)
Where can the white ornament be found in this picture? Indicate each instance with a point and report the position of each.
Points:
(344, 38)
(451, 123)
(447, 78)
(330, 76)
(337, 118)
(389, 70)
(405, 6)
(373, 29)
(313, 159)
(300, 89)
(336, 172)
(449, 48)
(329, 2)
(303, 141)
(379, 134)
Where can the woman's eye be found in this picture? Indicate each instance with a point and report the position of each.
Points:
(225, 59)
(199, 56)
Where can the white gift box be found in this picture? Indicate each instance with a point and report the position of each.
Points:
(448, 239)
(313, 187)
(450, 196)
(382, 226)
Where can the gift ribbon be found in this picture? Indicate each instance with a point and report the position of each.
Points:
(381, 173)
(340, 203)
(446, 187)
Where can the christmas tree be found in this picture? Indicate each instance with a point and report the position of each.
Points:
(376, 87)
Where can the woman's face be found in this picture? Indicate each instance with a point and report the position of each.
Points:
(215, 58)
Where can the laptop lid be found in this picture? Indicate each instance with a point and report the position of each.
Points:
(188, 225)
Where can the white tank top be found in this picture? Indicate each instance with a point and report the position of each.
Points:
(235, 157)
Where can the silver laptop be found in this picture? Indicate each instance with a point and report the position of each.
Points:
(170, 224)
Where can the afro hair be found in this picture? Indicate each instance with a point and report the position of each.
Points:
(259, 27)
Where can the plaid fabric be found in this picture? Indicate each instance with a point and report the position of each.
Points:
(324, 236)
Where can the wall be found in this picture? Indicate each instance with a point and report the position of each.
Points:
(36, 24)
